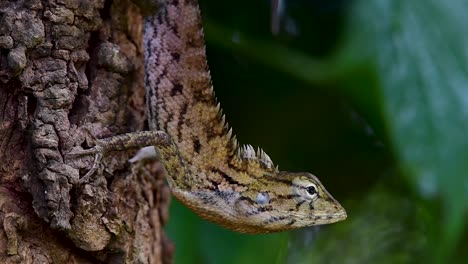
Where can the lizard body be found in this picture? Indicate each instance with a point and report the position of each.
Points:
(207, 170)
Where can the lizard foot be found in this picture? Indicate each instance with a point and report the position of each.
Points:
(124, 142)
(98, 152)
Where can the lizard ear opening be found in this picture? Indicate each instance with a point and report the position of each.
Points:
(263, 198)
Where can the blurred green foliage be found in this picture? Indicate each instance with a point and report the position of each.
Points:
(371, 96)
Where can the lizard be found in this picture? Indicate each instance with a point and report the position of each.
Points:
(206, 168)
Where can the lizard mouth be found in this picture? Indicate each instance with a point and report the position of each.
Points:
(325, 218)
(340, 216)
(329, 219)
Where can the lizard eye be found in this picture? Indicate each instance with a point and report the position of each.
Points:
(306, 189)
(312, 191)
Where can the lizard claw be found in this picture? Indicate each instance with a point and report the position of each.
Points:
(98, 151)
(97, 161)
(98, 154)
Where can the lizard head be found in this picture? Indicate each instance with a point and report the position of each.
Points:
(276, 202)
(286, 200)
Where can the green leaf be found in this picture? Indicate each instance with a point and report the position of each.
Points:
(419, 50)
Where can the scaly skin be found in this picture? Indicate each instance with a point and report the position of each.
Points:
(207, 171)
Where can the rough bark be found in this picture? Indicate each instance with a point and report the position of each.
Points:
(70, 68)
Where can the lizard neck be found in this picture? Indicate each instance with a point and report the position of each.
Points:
(181, 100)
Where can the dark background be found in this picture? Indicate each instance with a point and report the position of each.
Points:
(372, 97)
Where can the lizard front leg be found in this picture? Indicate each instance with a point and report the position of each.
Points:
(119, 143)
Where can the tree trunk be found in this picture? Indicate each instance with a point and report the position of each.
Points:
(70, 69)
